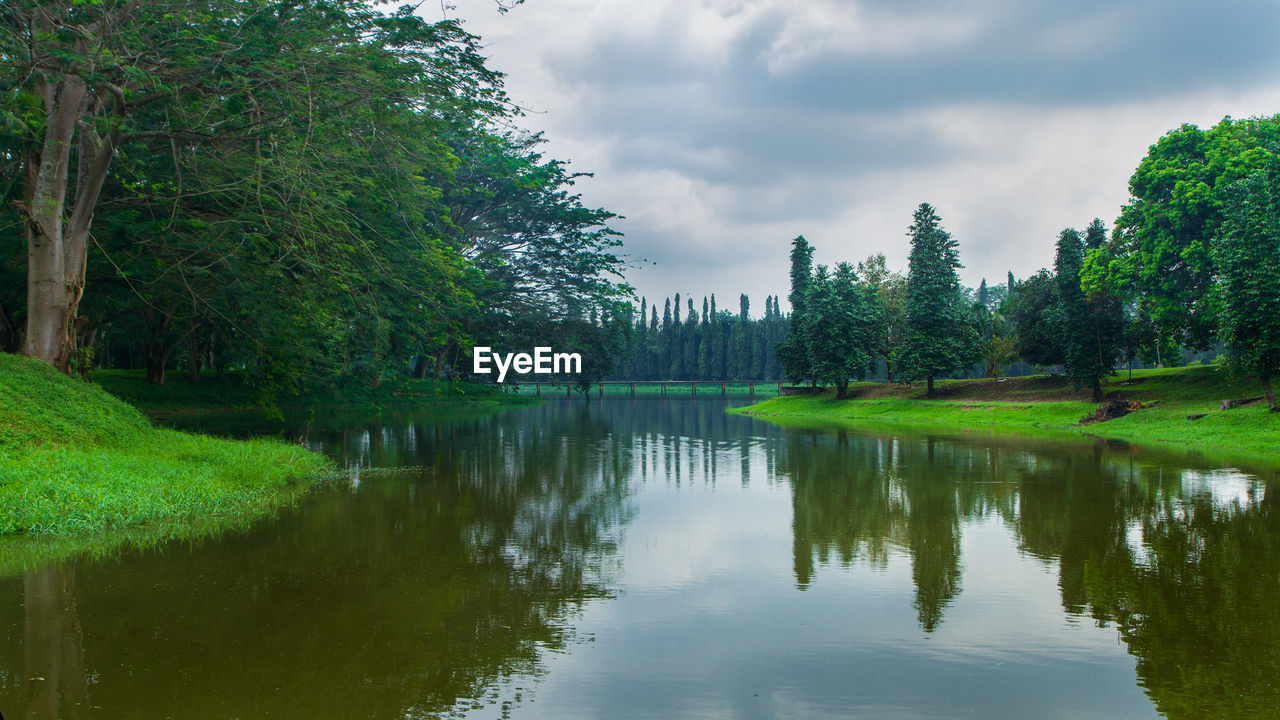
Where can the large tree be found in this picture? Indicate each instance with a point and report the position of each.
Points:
(1032, 311)
(891, 287)
(841, 327)
(1089, 327)
(939, 340)
(1164, 236)
(793, 353)
(231, 129)
(1248, 257)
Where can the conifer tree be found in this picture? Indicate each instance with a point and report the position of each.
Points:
(939, 339)
(792, 353)
(1089, 331)
(689, 343)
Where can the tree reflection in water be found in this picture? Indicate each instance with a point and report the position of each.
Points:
(442, 585)
(1187, 570)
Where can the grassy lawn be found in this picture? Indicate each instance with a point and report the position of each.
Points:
(1045, 405)
(81, 470)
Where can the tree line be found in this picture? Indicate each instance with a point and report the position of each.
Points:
(309, 193)
(1193, 261)
(714, 345)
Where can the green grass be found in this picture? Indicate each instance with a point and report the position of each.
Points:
(1047, 406)
(81, 470)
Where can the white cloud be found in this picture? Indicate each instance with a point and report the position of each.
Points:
(723, 128)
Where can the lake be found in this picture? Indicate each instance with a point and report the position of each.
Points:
(659, 558)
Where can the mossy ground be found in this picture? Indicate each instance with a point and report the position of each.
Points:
(1045, 405)
(82, 470)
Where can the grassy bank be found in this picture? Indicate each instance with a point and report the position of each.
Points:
(81, 470)
(1050, 406)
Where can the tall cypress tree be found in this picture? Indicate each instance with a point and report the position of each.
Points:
(939, 339)
(792, 353)
(742, 340)
(690, 343)
(665, 354)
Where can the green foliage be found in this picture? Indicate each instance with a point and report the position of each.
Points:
(722, 346)
(1031, 310)
(792, 353)
(316, 195)
(840, 328)
(1080, 358)
(891, 287)
(1248, 258)
(939, 338)
(1161, 256)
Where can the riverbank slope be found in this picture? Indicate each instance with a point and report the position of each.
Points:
(82, 470)
(1049, 405)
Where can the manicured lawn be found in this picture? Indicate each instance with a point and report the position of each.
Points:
(1049, 405)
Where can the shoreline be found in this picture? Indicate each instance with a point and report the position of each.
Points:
(84, 472)
(1045, 407)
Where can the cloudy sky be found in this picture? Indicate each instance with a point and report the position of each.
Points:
(721, 129)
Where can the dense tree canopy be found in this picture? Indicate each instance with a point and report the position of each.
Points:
(1162, 255)
(1248, 257)
(311, 193)
(842, 325)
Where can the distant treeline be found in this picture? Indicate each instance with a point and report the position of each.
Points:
(1193, 263)
(714, 345)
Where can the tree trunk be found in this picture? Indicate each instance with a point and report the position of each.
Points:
(8, 331)
(57, 243)
(55, 684)
(440, 364)
(929, 392)
(156, 358)
(1097, 390)
(421, 366)
(1266, 390)
(842, 389)
(195, 362)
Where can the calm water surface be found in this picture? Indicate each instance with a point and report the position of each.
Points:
(661, 559)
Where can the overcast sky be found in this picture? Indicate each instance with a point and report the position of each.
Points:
(722, 129)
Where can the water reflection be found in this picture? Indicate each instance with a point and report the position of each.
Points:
(1184, 561)
(468, 557)
(410, 595)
